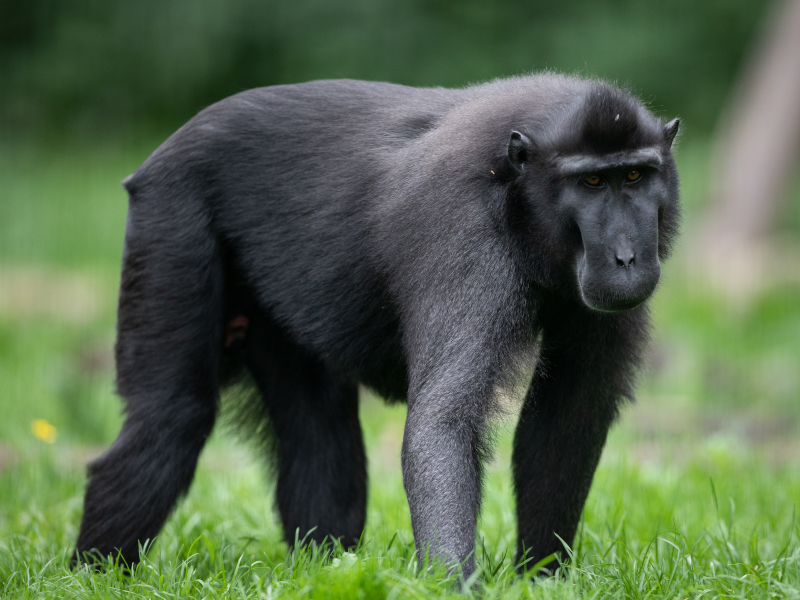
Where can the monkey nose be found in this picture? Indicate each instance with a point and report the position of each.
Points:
(625, 257)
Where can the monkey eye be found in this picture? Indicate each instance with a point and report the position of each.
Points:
(634, 175)
(593, 180)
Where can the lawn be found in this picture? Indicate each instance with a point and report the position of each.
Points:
(696, 495)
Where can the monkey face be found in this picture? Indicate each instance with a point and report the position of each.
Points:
(612, 209)
(616, 213)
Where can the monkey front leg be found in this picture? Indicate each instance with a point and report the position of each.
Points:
(442, 473)
(556, 451)
(572, 401)
(462, 343)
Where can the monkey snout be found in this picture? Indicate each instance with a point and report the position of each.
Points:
(624, 254)
(620, 281)
(625, 258)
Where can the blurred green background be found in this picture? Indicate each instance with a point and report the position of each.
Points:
(86, 64)
(88, 88)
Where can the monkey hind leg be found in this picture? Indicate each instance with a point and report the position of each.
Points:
(168, 340)
(321, 463)
(134, 486)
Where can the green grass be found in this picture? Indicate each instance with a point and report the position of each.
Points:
(695, 497)
(717, 526)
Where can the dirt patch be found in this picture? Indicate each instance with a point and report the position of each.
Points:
(96, 359)
(8, 458)
(665, 419)
(43, 292)
(671, 432)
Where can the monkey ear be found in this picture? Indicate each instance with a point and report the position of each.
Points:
(671, 130)
(519, 150)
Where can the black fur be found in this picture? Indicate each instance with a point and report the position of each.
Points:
(418, 241)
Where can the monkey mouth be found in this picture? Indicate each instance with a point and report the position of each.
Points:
(611, 302)
(614, 299)
(615, 290)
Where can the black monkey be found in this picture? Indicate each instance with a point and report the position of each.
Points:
(424, 242)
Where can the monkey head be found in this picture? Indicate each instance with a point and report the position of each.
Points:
(600, 190)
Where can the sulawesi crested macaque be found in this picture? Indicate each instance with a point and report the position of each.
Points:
(426, 243)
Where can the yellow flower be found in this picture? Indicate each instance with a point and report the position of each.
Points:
(43, 430)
